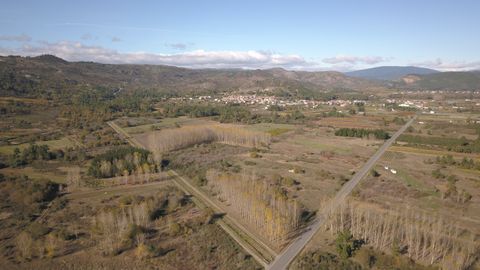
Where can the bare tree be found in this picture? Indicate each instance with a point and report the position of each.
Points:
(260, 204)
(428, 239)
(172, 139)
(24, 245)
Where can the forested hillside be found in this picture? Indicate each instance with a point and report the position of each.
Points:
(51, 77)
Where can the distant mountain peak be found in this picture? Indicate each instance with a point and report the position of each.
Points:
(389, 73)
(50, 58)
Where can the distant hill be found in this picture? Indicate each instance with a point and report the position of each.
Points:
(442, 81)
(49, 75)
(389, 73)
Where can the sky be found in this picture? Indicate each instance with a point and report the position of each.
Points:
(297, 35)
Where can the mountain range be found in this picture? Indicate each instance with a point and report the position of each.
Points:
(49, 75)
(390, 73)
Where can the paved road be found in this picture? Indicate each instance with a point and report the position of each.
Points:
(283, 260)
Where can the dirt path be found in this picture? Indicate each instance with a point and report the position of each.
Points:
(261, 252)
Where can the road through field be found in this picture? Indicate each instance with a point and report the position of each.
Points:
(260, 251)
(283, 260)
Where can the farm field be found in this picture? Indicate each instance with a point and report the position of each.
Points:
(62, 143)
(432, 177)
(308, 161)
(439, 184)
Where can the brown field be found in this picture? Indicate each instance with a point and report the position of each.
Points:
(321, 160)
(36, 101)
(205, 245)
(367, 122)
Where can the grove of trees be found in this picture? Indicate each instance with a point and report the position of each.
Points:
(420, 236)
(263, 206)
(130, 224)
(31, 153)
(173, 139)
(123, 161)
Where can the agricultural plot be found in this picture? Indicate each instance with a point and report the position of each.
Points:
(421, 200)
(62, 143)
(421, 181)
(434, 182)
(313, 158)
(307, 162)
(135, 126)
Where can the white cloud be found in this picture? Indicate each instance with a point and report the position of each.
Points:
(116, 39)
(75, 51)
(354, 60)
(17, 38)
(441, 65)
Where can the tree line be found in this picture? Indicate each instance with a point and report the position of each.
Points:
(379, 134)
(462, 145)
(32, 153)
(465, 163)
(231, 113)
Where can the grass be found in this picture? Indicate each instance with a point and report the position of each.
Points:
(53, 145)
(164, 123)
(269, 127)
(431, 202)
(322, 146)
(35, 174)
(278, 131)
(428, 152)
(414, 183)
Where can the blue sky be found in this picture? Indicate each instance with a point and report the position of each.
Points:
(308, 35)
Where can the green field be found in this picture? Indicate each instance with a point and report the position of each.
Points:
(272, 129)
(53, 145)
(414, 183)
(165, 123)
(323, 146)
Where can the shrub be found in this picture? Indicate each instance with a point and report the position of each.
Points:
(374, 173)
(344, 244)
(379, 134)
(323, 260)
(144, 251)
(174, 229)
